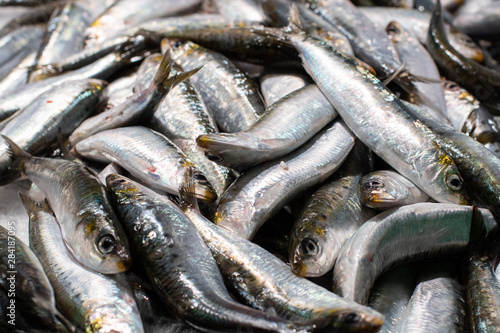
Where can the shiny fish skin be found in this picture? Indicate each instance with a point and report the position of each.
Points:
(79, 200)
(182, 117)
(57, 112)
(265, 282)
(18, 42)
(413, 232)
(274, 85)
(140, 106)
(385, 189)
(260, 192)
(219, 74)
(34, 296)
(147, 155)
(285, 126)
(190, 286)
(353, 91)
(437, 304)
(240, 9)
(102, 305)
(18, 76)
(329, 218)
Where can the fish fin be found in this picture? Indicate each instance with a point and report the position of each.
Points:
(187, 192)
(164, 69)
(17, 155)
(33, 206)
(394, 75)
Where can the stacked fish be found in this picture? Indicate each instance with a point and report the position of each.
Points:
(203, 165)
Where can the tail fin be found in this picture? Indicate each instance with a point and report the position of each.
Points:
(163, 80)
(18, 158)
(187, 192)
(294, 27)
(32, 206)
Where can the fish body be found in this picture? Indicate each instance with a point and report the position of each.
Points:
(275, 85)
(95, 302)
(147, 155)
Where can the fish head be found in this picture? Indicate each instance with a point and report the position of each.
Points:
(445, 182)
(203, 189)
(358, 319)
(101, 244)
(178, 47)
(376, 190)
(307, 251)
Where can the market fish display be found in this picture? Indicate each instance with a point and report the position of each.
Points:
(239, 44)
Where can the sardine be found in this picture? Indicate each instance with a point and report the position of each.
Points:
(240, 9)
(274, 85)
(26, 287)
(147, 155)
(285, 126)
(219, 74)
(385, 189)
(412, 232)
(95, 302)
(267, 283)
(482, 24)
(179, 264)
(260, 192)
(329, 218)
(139, 106)
(89, 225)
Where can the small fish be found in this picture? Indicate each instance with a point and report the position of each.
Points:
(89, 225)
(386, 189)
(139, 106)
(180, 265)
(147, 155)
(93, 301)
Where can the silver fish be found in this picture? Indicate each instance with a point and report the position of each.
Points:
(147, 155)
(285, 126)
(219, 74)
(89, 225)
(190, 286)
(95, 302)
(260, 192)
(385, 189)
(418, 231)
(240, 9)
(274, 85)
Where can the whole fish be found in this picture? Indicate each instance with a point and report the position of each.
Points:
(147, 155)
(384, 189)
(221, 75)
(89, 225)
(182, 117)
(386, 129)
(57, 112)
(24, 282)
(93, 301)
(437, 304)
(482, 286)
(260, 192)
(483, 82)
(412, 232)
(179, 264)
(128, 13)
(285, 126)
(139, 106)
(265, 282)
(329, 218)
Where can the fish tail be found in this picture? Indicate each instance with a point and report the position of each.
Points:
(17, 155)
(284, 34)
(187, 192)
(32, 206)
(164, 80)
(481, 241)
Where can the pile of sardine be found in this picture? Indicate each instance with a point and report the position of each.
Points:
(251, 165)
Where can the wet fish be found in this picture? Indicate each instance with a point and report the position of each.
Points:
(267, 283)
(240, 9)
(26, 287)
(482, 24)
(139, 106)
(274, 85)
(384, 189)
(219, 74)
(260, 192)
(483, 82)
(285, 126)
(39, 14)
(147, 155)
(89, 225)
(57, 112)
(95, 302)
(19, 43)
(412, 232)
(190, 286)
(387, 129)
(18, 76)
(330, 216)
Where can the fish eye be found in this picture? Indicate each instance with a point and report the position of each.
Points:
(374, 185)
(452, 86)
(454, 182)
(106, 244)
(309, 247)
(200, 178)
(351, 318)
(178, 44)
